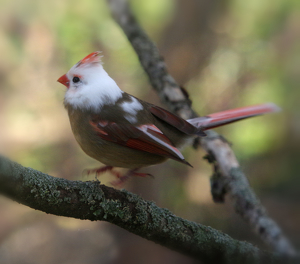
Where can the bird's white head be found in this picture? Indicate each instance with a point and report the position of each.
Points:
(88, 84)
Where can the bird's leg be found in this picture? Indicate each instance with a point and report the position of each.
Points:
(99, 171)
(141, 174)
(123, 178)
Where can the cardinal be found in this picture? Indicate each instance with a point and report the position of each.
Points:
(120, 130)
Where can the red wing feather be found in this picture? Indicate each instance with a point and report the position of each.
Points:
(141, 145)
(146, 138)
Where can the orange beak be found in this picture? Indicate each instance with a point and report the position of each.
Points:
(64, 80)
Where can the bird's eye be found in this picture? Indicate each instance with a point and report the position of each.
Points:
(76, 79)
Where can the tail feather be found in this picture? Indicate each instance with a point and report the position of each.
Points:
(233, 115)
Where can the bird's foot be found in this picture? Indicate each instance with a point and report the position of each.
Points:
(123, 178)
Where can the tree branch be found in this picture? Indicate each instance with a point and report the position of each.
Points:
(94, 201)
(230, 178)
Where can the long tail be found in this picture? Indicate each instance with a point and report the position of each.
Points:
(233, 115)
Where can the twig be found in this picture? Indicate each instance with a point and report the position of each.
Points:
(93, 201)
(232, 178)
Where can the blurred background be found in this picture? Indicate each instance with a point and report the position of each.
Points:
(226, 54)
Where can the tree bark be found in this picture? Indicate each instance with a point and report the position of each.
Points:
(94, 201)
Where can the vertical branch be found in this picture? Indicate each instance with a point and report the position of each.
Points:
(164, 84)
(231, 177)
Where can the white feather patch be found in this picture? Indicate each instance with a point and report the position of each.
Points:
(131, 108)
(95, 89)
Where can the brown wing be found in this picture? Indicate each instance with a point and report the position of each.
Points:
(176, 121)
(146, 138)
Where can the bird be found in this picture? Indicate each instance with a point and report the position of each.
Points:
(120, 130)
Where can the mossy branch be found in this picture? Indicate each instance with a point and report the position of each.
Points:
(94, 201)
